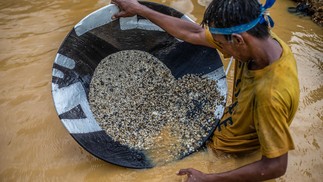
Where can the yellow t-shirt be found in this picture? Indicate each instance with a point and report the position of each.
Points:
(264, 104)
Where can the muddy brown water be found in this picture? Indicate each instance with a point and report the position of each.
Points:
(35, 146)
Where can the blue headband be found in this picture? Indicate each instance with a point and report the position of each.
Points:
(263, 17)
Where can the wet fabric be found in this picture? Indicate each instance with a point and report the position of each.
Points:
(264, 104)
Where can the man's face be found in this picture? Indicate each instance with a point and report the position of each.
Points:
(232, 48)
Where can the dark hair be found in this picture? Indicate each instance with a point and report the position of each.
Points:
(229, 13)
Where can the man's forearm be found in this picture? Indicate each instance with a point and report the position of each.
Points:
(261, 170)
(181, 29)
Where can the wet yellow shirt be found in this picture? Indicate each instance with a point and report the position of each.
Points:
(264, 103)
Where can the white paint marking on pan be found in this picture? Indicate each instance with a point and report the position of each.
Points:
(57, 73)
(133, 22)
(128, 23)
(80, 125)
(67, 98)
(222, 87)
(64, 61)
(98, 18)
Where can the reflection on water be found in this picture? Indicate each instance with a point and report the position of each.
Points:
(313, 96)
(34, 144)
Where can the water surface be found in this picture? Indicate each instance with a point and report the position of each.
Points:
(35, 146)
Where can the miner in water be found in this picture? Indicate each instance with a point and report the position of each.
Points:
(266, 89)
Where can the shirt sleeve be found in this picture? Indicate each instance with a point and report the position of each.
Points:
(271, 122)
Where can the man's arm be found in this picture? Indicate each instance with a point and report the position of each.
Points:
(181, 29)
(261, 170)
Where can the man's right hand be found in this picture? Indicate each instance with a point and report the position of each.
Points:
(127, 8)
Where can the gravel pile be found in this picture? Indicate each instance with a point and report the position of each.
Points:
(138, 102)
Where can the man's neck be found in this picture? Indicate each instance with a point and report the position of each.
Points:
(265, 52)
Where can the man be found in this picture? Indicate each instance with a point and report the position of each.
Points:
(266, 90)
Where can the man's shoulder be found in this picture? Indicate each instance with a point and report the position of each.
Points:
(286, 49)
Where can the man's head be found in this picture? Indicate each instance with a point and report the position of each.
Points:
(236, 24)
(230, 13)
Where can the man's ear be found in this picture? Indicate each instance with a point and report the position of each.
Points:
(237, 39)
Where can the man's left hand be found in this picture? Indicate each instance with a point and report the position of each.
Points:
(193, 175)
